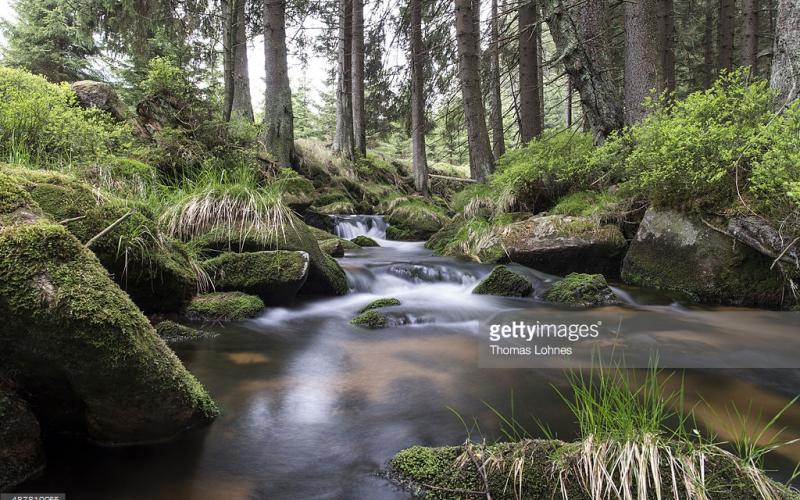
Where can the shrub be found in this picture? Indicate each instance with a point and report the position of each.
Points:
(41, 122)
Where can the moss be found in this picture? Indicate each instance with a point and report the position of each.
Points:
(587, 204)
(582, 290)
(332, 247)
(413, 219)
(224, 306)
(66, 322)
(173, 332)
(504, 282)
(319, 234)
(274, 276)
(364, 241)
(12, 195)
(376, 304)
(371, 319)
(328, 196)
(338, 208)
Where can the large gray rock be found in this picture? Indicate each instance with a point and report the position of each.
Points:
(21, 455)
(99, 95)
(677, 252)
(560, 244)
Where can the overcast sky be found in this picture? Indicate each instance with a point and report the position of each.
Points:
(315, 73)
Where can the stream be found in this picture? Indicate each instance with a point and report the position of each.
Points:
(313, 407)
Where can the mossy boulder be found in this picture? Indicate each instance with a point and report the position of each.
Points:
(364, 241)
(371, 319)
(561, 244)
(679, 253)
(545, 469)
(580, 289)
(275, 276)
(74, 341)
(155, 270)
(414, 220)
(332, 247)
(224, 306)
(325, 276)
(377, 304)
(21, 455)
(176, 333)
(504, 282)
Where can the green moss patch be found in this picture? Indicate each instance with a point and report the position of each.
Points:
(332, 247)
(174, 333)
(364, 241)
(504, 282)
(275, 276)
(376, 304)
(582, 290)
(371, 319)
(224, 306)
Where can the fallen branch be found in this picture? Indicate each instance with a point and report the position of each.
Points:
(106, 230)
(450, 178)
(72, 219)
(755, 245)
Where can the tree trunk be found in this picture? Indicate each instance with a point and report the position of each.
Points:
(278, 119)
(540, 69)
(344, 141)
(644, 76)
(568, 104)
(750, 35)
(708, 46)
(583, 43)
(530, 103)
(786, 52)
(359, 119)
(480, 149)
(666, 30)
(496, 104)
(241, 103)
(726, 24)
(227, 59)
(418, 56)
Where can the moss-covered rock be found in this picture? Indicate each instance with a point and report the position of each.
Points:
(679, 253)
(325, 276)
(74, 341)
(545, 469)
(224, 306)
(332, 247)
(21, 455)
(560, 244)
(413, 219)
(582, 290)
(156, 271)
(504, 282)
(275, 276)
(371, 319)
(377, 304)
(364, 241)
(175, 333)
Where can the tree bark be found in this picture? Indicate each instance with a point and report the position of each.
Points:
(480, 149)
(227, 59)
(644, 76)
(496, 104)
(278, 119)
(583, 43)
(726, 24)
(750, 35)
(568, 104)
(418, 56)
(666, 30)
(530, 102)
(344, 140)
(708, 46)
(540, 69)
(359, 115)
(241, 103)
(785, 75)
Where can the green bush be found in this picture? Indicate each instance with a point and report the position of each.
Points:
(41, 122)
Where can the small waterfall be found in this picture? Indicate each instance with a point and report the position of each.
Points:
(350, 226)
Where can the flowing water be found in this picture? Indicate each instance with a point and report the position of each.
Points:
(314, 407)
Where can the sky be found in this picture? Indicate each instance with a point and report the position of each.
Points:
(315, 72)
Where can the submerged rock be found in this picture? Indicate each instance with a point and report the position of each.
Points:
(99, 95)
(370, 319)
(73, 340)
(364, 241)
(377, 304)
(224, 306)
(175, 333)
(679, 253)
(505, 283)
(582, 290)
(275, 276)
(21, 455)
(561, 244)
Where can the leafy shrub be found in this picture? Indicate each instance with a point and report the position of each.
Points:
(691, 152)
(41, 122)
